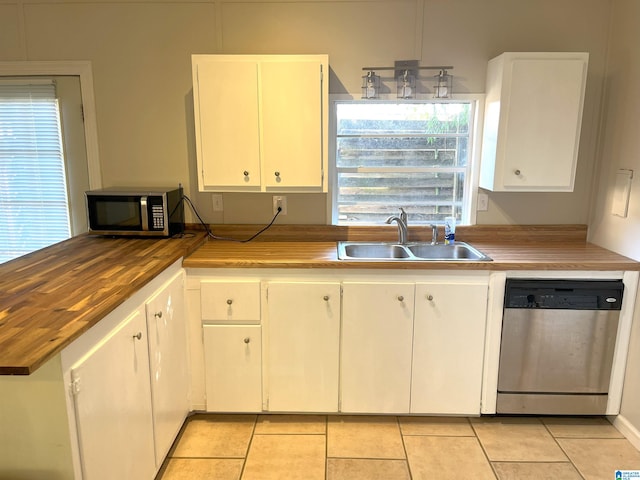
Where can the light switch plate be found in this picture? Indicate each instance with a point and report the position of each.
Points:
(621, 192)
(218, 204)
(483, 202)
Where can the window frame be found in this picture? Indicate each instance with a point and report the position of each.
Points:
(36, 204)
(80, 69)
(83, 70)
(470, 198)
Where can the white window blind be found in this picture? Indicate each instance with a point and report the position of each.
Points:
(34, 209)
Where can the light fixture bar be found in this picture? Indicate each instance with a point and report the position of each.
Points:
(406, 75)
(447, 67)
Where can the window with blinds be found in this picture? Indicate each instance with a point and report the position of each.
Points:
(413, 155)
(34, 209)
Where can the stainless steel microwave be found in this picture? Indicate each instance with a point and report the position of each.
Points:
(157, 212)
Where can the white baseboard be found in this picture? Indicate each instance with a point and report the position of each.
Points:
(627, 429)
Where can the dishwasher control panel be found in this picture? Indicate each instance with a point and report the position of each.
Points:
(564, 294)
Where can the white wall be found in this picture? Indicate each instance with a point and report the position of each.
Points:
(619, 148)
(141, 64)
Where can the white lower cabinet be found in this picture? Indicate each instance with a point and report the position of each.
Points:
(303, 324)
(377, 331)
(342, 342)
(112, 401)
(230, 312)
(168, 360)
(448, 348)
(127, 379)
(233, 366)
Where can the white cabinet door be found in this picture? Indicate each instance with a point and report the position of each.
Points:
(303, 346)
(113, 405)
(292, 116)
(233, 368)
(377, 330)
(167, 336)
(533, 117)
(448, 348)
(227, 125)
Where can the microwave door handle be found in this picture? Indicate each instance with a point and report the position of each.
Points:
(144, 213)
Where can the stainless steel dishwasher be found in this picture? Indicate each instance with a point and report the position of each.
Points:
(558, 340)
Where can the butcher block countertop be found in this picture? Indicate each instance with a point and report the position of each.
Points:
(50, 297)
(511, 248)
(224, 254)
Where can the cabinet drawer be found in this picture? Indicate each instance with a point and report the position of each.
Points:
(230, 302)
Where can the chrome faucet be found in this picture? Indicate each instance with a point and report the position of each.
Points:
(434, 234)
(402, 222)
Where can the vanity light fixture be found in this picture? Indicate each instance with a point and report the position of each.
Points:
(406, 84)
(370, 85)
(442, 88)
(406, 75)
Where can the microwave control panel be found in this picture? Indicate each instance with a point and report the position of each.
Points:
(157, 216)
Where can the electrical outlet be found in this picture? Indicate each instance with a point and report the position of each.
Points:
(280, 201)
(483, 202)
(218, 205)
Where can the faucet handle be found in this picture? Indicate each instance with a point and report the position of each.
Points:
(403, 215)
(434, 233)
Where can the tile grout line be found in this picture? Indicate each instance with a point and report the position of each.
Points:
(326, 447)
(246, 455)
(404, 447)
(484, 451)
(561, 449)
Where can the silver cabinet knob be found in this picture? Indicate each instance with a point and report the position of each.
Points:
(158, 314)
(400, 298)
(229, 301)
(277, 174)
(138, 336)
(247, 340)
(246, 173)
(430, 297)
(326, 298)
(517, 172)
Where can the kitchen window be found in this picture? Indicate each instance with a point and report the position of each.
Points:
(34, 208)
(417, 155)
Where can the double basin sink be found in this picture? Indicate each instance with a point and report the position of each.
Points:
(420, 251)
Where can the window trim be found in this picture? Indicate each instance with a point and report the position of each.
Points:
(83, 70)
(475, 139)
(38, 217)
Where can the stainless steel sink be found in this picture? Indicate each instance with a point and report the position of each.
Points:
(376, 251)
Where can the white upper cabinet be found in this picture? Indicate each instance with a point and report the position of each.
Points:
(533, 115)
(261, 122)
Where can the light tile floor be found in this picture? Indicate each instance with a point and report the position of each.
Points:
(310, 447)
